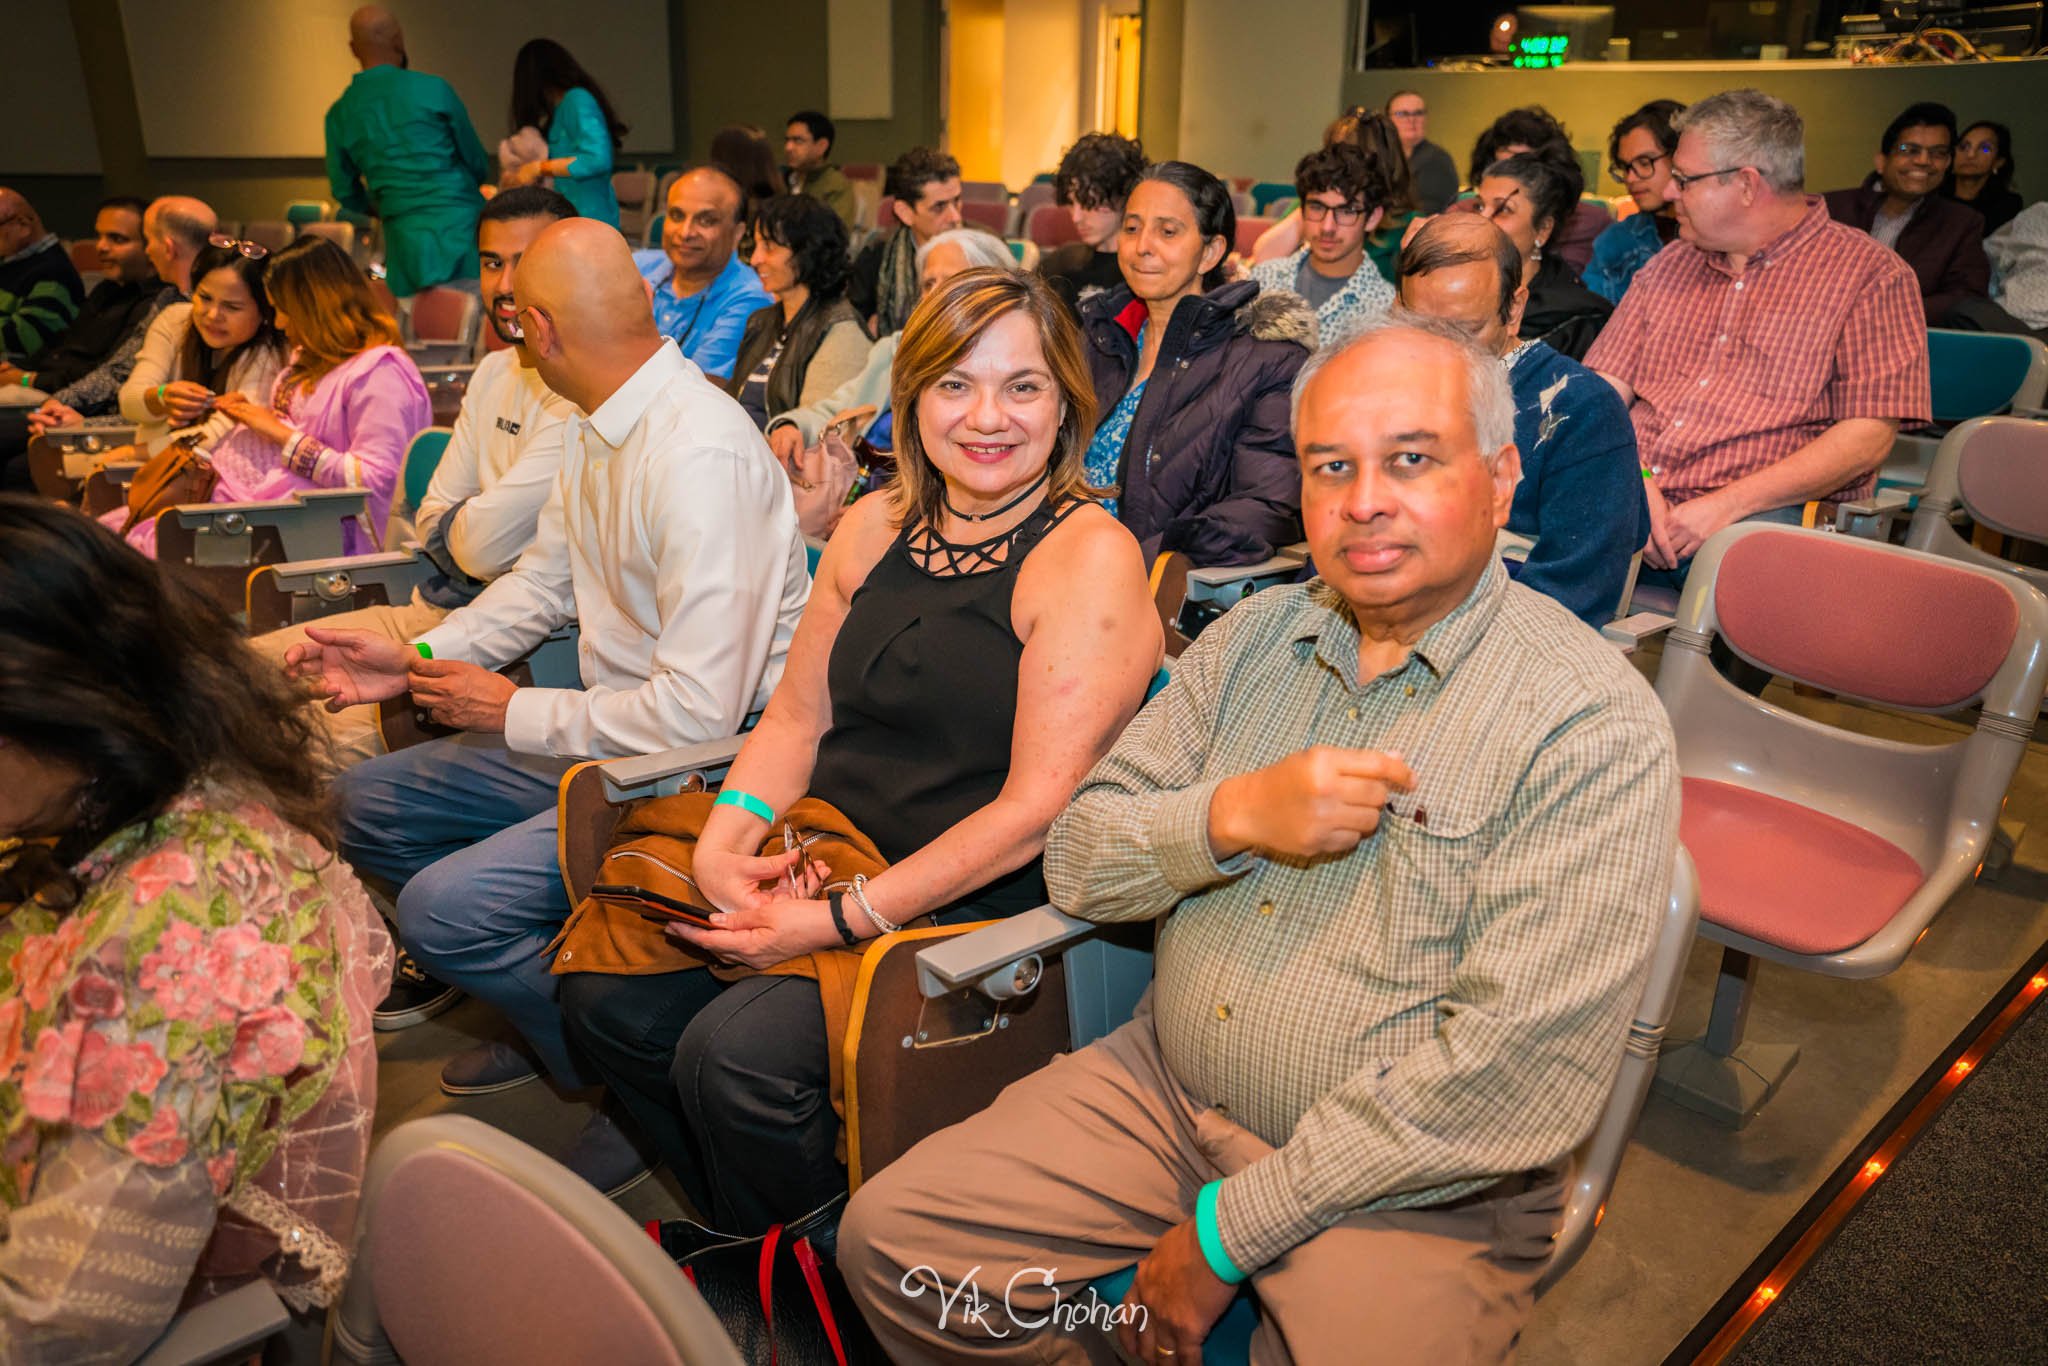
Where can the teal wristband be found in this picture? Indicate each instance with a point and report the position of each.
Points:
(1212, 1241)
(426, 651)
(745, 801)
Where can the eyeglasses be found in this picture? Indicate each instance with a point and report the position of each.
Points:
(1682, 182)
(1640, 168)
(255, 251)
(1914, 151)
(1985, 148)
(1408, 114)
(1315, 211)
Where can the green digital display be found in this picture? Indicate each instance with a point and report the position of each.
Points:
(1542, 50)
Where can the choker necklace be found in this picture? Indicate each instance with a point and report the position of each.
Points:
(1036, 485)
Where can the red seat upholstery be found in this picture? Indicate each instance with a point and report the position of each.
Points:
(1051, 226)
(987, 214)
(1788, 875)
(1249, 231)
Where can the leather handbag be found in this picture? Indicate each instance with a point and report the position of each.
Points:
(179, 473)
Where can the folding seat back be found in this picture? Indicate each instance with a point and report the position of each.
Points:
(635, 192)
(1995, 469)
(984, 192)
(1267, 192)
(1032, 197)
(300, 212)
(343, 235)
(1249, 230)
(445, 317)
(274, 233)
(985, 213)
(1979, 374)
(1051, 226)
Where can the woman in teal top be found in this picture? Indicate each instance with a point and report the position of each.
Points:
(551, 92)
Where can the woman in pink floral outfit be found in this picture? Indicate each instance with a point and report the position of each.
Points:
(187, 974)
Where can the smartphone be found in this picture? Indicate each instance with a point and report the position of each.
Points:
(653, 905)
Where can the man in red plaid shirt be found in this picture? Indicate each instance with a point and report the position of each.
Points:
(1769, 355)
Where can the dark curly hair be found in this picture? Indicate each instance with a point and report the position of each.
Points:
(1099, 171)
(111, 666)
(1531, 126)
(1653, 118)
(915, 169)
(1345, 168)
(809, 228)
(1552, 194)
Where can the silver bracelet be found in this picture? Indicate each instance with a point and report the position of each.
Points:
(860, 899)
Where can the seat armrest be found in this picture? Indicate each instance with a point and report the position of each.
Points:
(220, 1329)
(2032, 414)
(1217, 582)
(1631, 631)
(93, 435)
(651, 775)
(1883, 507)
(989, 956)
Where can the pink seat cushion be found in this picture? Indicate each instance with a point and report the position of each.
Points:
(1788, 875)
(2003, 477)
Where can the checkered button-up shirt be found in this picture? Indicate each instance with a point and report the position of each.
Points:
(1445, 1005)
(1732, 373)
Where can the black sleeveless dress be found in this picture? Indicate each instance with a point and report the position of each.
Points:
(923, 680)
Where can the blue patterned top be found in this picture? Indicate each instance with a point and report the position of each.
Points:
(1106, 451)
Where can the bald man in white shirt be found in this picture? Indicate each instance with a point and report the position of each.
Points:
(671, 537)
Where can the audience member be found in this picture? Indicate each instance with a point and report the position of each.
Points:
(1369, 1047)
(1202, 463)
(744, 152)
(2019, 255)
(1094, 179)
(1434, 173)
(401, 148)
(924, 191)
(939, 260)
(1532, 129)
(703, 292)
(944, 696)
(808, 341)
(1982, 174)
(670, 538)
(118, 308)
(1941, 240)
(174, 230)
(1375, 135)
(1527, 196)
(1581, 492)
(1639, 157)
(1343, 197)
(224, 341)
(40, 291)
(555, 96)
(191, 1076)
(807, 145)
(484, 501)
(340, 414)
(1768, 358)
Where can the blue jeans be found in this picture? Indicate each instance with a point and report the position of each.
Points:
(1674, 579)
(465, 828)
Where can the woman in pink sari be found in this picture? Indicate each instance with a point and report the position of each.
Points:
(187, 1070)
(343, 410)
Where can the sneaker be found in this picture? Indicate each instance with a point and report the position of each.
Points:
(606, 1156)
(414, 997)
(487, 1068)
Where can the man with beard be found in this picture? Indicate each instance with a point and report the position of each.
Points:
(703, 292)
(479, 512)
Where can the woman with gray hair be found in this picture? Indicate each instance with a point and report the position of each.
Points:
(938, 261)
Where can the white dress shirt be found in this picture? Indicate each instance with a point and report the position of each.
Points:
(502, 459)
(672, 538)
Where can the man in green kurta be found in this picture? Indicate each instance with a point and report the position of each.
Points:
(401, 146)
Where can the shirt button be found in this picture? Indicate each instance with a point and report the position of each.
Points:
(1678, 422)
(1222, 1012)
(1703, 381)
(1721, 340)
(1265, 908)
(1738, 284)
(566, 953)
(1351, 713)
(1411, 690)
(1223, 1110)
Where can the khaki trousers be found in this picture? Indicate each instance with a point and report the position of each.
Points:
(979, 1243)
(353, 730)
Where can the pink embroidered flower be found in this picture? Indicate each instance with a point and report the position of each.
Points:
(246, 972)
(46, 1086)
(13, 1025)
(267, 1044)
(96, 996)
(222, 1170)
(155, 874)
(40, 964)
(109, 1073)
(159, 1142)
(175, 975)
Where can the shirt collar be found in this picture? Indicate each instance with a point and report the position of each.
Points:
(618, 415)
(43, 243)
(1300, 258)
(1326, 620)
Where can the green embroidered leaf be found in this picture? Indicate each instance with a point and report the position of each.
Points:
(273, 933)
(179, 1039)
(146, 1016)
(115, 1131)
(218, 1039)
(149, 931)
(138, 1109)
(221, 912)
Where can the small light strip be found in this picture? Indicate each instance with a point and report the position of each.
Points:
(1838, 1210)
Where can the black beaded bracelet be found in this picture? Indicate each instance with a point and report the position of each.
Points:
(836, 901)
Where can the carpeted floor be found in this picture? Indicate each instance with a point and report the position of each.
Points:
(1947, 1258)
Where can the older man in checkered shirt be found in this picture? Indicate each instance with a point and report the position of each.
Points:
(1408, 828)
(1768, 356)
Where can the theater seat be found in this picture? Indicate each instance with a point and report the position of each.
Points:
(1821, 848)
(1994, 470)
(1050, 226)
(1971, 374)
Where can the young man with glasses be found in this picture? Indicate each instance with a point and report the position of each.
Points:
(1639, 159)
(1343, 195)
(1900, 205)
(1769, 357)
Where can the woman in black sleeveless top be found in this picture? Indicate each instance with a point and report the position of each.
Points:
(977, 636)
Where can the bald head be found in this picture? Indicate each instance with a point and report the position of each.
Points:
(375, 37)
(175, 230)
(20, 224)
(1464, 270)
(592, 324)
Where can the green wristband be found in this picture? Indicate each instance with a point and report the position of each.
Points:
(426, 650)
(1211, 1240)
(26, 377)
(745, 801)
(1646, 474)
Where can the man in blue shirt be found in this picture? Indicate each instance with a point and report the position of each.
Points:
(400, 146)
(703, 292)
(1581, 497)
